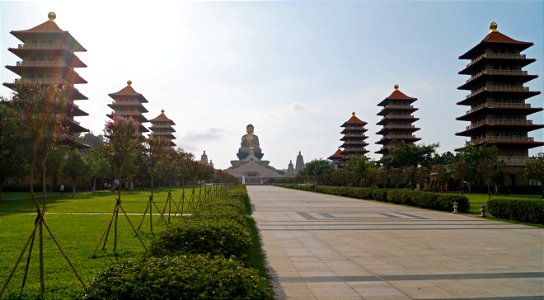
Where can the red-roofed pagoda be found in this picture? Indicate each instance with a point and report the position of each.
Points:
(129, 103)
(337, 159)
(161, 127)
(354, 137)
(498, 112)
(47, 54)
(397, 121)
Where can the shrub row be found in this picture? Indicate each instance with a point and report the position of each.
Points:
(530, 211)
(210, 255)
(179, 277)
(430, 200)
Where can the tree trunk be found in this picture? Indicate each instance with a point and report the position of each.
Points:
(44, 186)
(94, 185)
(73, 186)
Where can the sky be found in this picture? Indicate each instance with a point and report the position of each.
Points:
(295, 70)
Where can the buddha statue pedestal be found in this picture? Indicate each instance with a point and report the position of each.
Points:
(250, 167)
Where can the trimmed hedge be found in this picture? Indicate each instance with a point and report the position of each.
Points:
(430, 200)
(529, 211)
(180, 277)
(205, 236)
(219, 257)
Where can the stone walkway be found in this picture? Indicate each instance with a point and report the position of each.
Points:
(327, 247)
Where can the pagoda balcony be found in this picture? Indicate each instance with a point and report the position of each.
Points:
(498, 88)
(36, 63)
(496, 55)
(400, 126)
(397, 137)
(498, 105)
(42, 46)
(514, 161)
(354, 136)
(398, 106)
(521, 108)
(391, 108)
(43, 81)
(502, 139)
(496, 72)
(498, 122)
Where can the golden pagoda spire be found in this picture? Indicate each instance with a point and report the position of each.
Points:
(129, 82)
(492, 27)
(353, 114)
(52, 16)
(396, 87)
(162, 111)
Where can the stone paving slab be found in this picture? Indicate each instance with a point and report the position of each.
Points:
(328, 247)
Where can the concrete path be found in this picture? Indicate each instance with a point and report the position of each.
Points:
(326, 247)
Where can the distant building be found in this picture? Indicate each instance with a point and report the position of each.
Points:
(204, 158)
(48, 58)
(250, 167)
(161, 127)
(299, 164)
(290, 169)
(129, 103)
(498, 112)
(397, 121)
(354, 137)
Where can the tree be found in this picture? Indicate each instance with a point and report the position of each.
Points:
(479, 165)
(534, 170)
(14, 143)
(125, 149)
(44, 119)
(99, 164)
(410, 157)
(317, 167)
(92, 140)
(124, 140)
(76, 167)
(158, 158)
(364, 169)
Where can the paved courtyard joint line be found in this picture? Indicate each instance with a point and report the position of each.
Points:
(328, 247)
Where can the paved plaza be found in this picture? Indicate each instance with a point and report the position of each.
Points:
(327, 247)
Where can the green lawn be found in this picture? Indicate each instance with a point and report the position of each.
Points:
(476, 199)
(77, 223)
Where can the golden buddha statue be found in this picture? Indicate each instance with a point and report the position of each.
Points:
(250, 143)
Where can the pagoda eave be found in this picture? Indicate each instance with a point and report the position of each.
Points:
(490, 108)
(518, 94)
(473, 52)
(520, 61)
(521, 78)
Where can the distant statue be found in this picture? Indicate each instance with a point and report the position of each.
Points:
(250, 143)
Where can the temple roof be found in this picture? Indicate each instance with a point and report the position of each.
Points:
(397, 95)
(495, 37)
(353, 121)
(336, 155)
(129, 91)
(162, 118)
(50, 27)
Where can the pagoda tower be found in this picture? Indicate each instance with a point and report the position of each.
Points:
(161, 127)
(204, 158)
(337, 159)
(128, 103)
(354, 137)
(498, 112)
(299, 164)
(47, 57)
(290, 169)
(397, 121)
